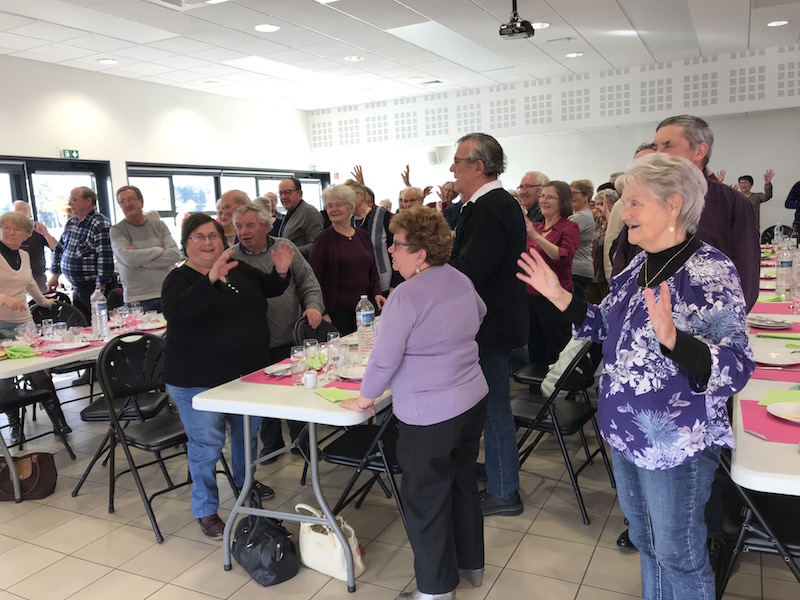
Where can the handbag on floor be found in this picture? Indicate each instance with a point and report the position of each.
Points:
(321, 550)
(37, 476)
(263, 548)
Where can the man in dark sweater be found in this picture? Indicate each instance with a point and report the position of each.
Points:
(489, 240)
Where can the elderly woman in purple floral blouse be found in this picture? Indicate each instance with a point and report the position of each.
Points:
(674, 348)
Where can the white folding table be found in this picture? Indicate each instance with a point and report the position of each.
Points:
(283, 402)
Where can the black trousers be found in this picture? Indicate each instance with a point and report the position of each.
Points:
(579, 286)
(548, 331)
(440, 498)
(81, 298)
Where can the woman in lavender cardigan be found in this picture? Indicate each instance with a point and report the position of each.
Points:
(427, 354)
(674, 348)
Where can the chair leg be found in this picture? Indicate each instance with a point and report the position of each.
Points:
(95, 458)
(722, 583)
(57, 430)
(112, 480)
(227, 472)
(530, 448)
(604, 454)
(572, 477)
(138, 480)
(305, 473)
(585, 446)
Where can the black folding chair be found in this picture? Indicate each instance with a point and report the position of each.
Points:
(769, 526)
(130, 367)
(16, 399)
(769, 233)
(564, 413)
(369, 448)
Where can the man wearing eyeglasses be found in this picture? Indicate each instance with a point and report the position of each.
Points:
(489, 239)
(411, 196)
(302, 223)
(529, 189)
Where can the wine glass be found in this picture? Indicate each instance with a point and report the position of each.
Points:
(334, 351)
(324, 358)
(28, 333)
(297, 354)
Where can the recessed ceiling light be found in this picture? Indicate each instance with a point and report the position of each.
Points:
(354, 58)
(574, 54)
(540, 25)
(325, 1)
(266, 28)
(777, 23)
(107, 61)
(212, 81)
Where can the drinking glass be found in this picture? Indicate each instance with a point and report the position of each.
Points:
(137, 314)
(311, 347)
(59, 329)
(28, 333)
(297, 355)
(334, 352)
(47, 329)
(151, 316)
(323, 358)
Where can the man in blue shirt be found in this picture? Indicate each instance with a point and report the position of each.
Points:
(83, 254)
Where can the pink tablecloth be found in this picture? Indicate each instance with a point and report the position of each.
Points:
(53, 353)
(261, 377)
(783, 374)
(756, 419)
(795, 329)
(771, 308)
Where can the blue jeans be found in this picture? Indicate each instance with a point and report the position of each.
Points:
(206, 433)
(499, 434)
(666, 512)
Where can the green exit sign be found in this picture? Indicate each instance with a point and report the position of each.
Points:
(69, 154)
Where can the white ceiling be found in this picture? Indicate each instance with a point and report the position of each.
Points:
(406, 44)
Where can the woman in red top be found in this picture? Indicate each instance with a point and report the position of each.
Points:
(556, 239)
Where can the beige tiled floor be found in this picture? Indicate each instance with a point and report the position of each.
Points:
(64, 547)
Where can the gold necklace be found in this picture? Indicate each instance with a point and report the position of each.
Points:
(648, 282)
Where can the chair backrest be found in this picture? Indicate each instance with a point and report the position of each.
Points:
(60, 313)
(131, 364)
(583, 364)
(304, 331)
(60, 297)
(769, 233)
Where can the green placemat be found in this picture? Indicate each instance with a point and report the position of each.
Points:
(335, 395)
(780, 336)
(780, 396)
(20, 352)
(775, 298)
(315, 363)
(769, 273)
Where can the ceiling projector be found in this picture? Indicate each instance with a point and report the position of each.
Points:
(516, 27)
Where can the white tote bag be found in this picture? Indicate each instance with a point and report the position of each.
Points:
(321, 550)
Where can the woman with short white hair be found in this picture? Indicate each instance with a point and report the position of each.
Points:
(343, 260)
(675, 348)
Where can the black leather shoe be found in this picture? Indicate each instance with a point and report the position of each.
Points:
(264, 491)
(264, 452)
(480, 472)
(16, 435)
(624, 543)
(509, 506)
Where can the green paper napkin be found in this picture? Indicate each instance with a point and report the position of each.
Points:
(766, 253)
(335, 395)
(20, 352)
(769, 273)
(780, 396)
(770, 299)
(314, 363)
(780, 336)
(793, 345)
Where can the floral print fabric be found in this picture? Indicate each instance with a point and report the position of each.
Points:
(651, 410)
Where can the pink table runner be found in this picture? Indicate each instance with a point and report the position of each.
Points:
(795, 329)
(771, 308)
(791, 374)
(261, 377)
(756, 420)
(53, 353)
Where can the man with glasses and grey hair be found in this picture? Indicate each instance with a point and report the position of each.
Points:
(727, 222)
(302, 223)
(530, 186)
(489, 239)
(303, 297)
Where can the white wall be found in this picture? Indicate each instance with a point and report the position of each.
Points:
(747, 144)
(44, 108)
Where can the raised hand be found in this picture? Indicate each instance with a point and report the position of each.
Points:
(768, 176)
(282, 257)
(661, 315)
(221, 268)
(358, 174)
(426, 192)
(406, 175)
(538, 274)
(720, 175)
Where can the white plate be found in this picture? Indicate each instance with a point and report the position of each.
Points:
(278, 370)
(767, 323)
(69, 346)
(766, 285)
(790, 411)
(355, 372)
(778, 359)
(156, 325)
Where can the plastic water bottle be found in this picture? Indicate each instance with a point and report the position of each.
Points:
(99, 315)
(365, 325)
(783, 279)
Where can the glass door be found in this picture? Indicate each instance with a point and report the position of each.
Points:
(51, 191)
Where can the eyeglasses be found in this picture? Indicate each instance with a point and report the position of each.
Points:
(12, 229)
(287, 192)
(547, 197)
(528, 186)
(199, 238)
(403, 245)
(577, 193)
(457, 160)
(335, 205)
